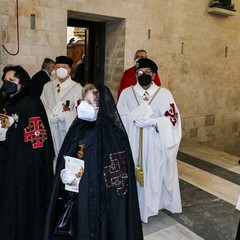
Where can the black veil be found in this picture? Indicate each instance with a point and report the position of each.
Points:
(107, 199)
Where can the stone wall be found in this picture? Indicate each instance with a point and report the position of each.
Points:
(198, 53)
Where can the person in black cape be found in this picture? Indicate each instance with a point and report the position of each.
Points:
(106, 206)
(26, 156)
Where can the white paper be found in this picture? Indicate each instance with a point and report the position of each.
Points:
(76, 166)
(143, 110)
(3, 132)
(238, 204)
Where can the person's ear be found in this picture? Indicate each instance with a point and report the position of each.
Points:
(153, 75)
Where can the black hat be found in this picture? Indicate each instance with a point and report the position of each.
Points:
(64, 60)
(146, 63)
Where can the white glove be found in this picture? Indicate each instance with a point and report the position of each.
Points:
(61, 116)
(55, 117)
(142, 122)
(67, 176)
(3, 132)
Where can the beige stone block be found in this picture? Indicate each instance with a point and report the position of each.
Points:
(209, 119)
(193, 122)
(193, 132)
(186, 134)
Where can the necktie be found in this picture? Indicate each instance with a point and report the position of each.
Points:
(58, 88)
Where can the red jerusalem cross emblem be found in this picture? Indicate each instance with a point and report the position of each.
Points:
(35, 132)
(172, 114)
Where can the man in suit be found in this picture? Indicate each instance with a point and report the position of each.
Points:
(42, 77)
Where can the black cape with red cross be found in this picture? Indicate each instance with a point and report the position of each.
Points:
(26, 169)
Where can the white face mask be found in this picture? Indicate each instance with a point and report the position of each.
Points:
(62, 72)
(86, 111)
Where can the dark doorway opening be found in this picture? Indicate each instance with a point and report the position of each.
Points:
(93, 47)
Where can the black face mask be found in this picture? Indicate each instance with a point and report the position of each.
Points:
(144, 80)
(9, 87)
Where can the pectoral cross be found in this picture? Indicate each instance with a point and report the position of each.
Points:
(58, 88)
(146, 96)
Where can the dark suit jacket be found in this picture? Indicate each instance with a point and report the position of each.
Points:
(37, 83)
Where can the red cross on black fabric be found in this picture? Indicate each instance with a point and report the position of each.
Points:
(35, 132)
(116, 173)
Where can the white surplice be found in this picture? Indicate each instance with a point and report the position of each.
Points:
(69, 91)
(159, 151)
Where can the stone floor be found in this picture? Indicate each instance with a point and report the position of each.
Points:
(210, 186)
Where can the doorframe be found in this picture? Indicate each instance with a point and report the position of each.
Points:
(94, 48)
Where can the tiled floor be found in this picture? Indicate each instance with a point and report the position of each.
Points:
(210, 186)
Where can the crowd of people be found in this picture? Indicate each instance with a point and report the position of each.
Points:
(76, 165)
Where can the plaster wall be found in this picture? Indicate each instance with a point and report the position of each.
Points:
(198, 53)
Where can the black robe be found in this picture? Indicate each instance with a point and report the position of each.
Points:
(26, 158)
(106, 210)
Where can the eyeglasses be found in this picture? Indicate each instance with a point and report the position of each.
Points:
(140, 72)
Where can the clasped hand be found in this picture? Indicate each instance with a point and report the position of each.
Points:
(55, 117)
(142, 122)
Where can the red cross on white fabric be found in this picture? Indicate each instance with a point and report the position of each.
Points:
(172, 114)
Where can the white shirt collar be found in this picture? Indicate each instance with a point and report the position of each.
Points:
(151, 90)
(64, 84)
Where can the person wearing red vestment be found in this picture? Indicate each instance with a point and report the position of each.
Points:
(129, 77)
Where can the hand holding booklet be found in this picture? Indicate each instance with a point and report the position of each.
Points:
(74, 169)
(143, 110)
(5, 123)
